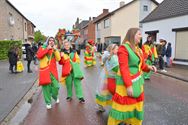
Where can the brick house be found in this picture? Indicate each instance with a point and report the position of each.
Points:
(13, 24)
(89, 30)
(79, 25)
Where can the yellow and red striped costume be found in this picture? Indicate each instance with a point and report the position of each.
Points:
(125, 108)
(89, 54)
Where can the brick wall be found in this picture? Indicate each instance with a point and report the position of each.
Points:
(16, 30)
(91, 31)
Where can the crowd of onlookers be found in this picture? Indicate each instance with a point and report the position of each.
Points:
(163, 52)
(15, 59)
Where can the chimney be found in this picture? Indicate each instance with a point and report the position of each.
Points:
(89, 18)
(122, 3)
(93, 18)
(77, 21)
(105, 10)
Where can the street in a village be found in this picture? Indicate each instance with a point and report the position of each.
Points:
(165, 103)
(122, 35)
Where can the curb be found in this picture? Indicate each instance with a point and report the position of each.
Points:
(173, 76)
(28, 97)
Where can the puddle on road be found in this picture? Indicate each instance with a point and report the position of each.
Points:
(21, 114)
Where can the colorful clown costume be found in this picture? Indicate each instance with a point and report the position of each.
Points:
(150, 54)
(107, 88)
(71, 73)
(89, 54)
(48, 75)
(125, 108)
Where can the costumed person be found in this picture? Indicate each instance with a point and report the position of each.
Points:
(89, 54)
(150, 54)
(48, 55)
(128, 100)
(71, 71)
(107, 86)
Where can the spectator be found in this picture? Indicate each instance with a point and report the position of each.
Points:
(161, 51)
(29, 54)
(35, 49)
(168, 54)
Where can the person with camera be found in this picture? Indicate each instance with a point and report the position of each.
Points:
(48, 55)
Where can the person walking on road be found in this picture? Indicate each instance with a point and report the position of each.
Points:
(48, 55)
(13, 58)
(89, 54)
(29, 54)
(35, 49)
(106, 88)
(128, 100)
(71, 71)
(150, 54)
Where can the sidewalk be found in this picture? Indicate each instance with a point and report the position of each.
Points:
(179, 72)
(13, 87)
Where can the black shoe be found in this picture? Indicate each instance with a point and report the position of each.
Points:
(68, 99)
(30, 71)
(81, 100)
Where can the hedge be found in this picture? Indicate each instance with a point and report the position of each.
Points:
(5, 45)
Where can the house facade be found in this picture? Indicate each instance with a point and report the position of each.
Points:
(99, 30)
(80, 26)
(13, 24)
(89, 30)
(113, 26)
(169, 21)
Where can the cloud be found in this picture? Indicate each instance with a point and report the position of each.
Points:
(50, 15)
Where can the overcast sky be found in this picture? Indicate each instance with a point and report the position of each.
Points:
(50, 15)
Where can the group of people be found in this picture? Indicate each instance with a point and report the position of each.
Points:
(48, 55)
(125, 68)
(162, 52)
(155, 53)
(15, 60)
(122, 87)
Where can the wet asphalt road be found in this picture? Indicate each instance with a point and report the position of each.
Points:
(13, 86)
(166, 103)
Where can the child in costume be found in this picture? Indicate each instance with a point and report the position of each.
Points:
(128, 100)
(150, 54)
(71, 72)
(89, 54)
(48, 75)
(107, 88)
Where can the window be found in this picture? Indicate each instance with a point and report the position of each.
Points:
(112, 40)
(181, 45)
(85, 31)
(11, 19)
(106, 23)
(145, 8)
(98, 26)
